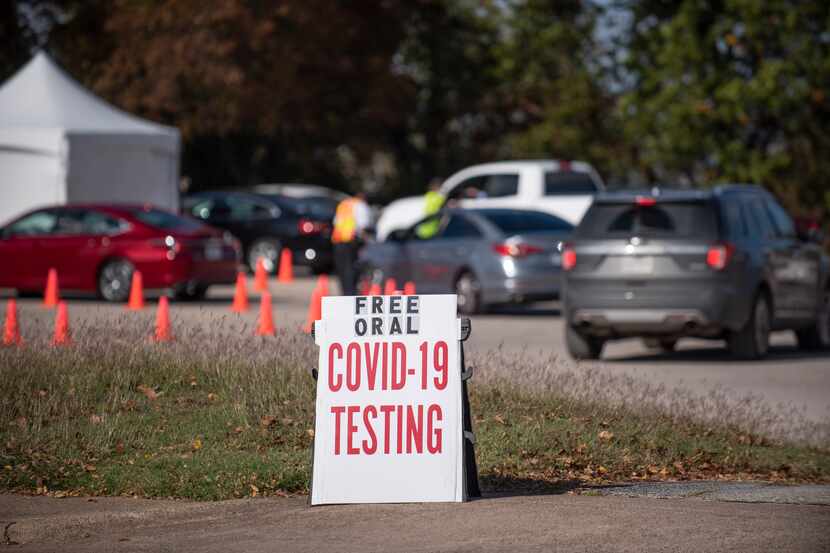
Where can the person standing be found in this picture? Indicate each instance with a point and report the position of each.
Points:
(433, 202)
(351, 219)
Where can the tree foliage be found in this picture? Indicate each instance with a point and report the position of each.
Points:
(732, 91)
(390, 94)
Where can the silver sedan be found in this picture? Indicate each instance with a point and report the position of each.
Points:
(486, 256)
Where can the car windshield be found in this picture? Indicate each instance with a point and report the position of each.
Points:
(665, 219)
(319, 207)
(164, 220)
(569, 183)
(524, 222)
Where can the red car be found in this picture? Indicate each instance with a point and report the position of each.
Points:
(96, 248)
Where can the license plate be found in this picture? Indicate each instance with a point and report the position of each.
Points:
(213, 252)
(638, 265)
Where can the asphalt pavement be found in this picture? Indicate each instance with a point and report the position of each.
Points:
(788, 376)
(554, 522)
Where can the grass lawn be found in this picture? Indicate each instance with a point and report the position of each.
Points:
(215, 415)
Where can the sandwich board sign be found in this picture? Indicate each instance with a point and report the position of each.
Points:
(388, 422)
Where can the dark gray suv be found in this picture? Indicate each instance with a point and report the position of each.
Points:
(724, 263)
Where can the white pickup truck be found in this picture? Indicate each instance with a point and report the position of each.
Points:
(562, 188)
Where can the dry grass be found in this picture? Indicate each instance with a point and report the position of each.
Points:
(219, 414)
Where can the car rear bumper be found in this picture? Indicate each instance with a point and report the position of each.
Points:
(521, 289)
(705, 308)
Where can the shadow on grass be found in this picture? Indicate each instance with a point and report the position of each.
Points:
(505, 486)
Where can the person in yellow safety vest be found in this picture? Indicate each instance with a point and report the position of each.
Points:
(433, 202)
(351, 219)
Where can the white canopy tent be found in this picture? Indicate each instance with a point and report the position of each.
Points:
(59, 143)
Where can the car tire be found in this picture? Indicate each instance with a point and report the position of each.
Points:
(582, 347)
(114, 280)
(468, 289)
(817, 336)
(752, 341)
(267, 248)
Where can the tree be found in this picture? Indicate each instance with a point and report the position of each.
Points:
(732, 90)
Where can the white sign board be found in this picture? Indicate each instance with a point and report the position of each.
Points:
(389, 415)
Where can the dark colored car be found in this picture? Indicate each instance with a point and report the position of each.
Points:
(96, 248)
(265, 224)
(725, 264)
(486, 256)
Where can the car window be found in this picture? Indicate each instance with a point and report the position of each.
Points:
(733, 217)
(666, 219)
(524, 222)
(499, 186)
(759, 221)
(164, 220)
(459, 227)
(70, 223)
(472, 187)
(780, 219)
(487, 186)
(97, 223)
(39, 223)
(568, 183)
(245, 209)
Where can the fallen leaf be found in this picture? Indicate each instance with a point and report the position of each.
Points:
(90, 468)
(254, 491)
(605, 435)
(96, 419)
(212, 397)
(238, 430)
(310, 432)
(197, 444)
(499, 420)
(602, 470)
(42, 392)
(151, 394)
(267, 420)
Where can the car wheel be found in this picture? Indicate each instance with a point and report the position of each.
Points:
(468, 289)
(269, 250)
(817, 336)
(581, 346)
(752, 341)
(192, 292)
(115, 279)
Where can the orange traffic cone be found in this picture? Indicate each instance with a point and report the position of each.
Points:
(136, 302)
(390, 287)
(52, 296)
(61, 337)
(286, 272)
(163, 332)
(409, 288)
(240, 297)
(11, 331)
(260, 276)
(314, 309)
(266, 318)
(323, 284)
(374, 289)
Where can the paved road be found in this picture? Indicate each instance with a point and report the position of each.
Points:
(518, 523)
(786, 376)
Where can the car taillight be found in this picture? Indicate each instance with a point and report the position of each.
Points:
(307, 226)
(718, 256)
(568, 258)
(645, 201)
(516, 250)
